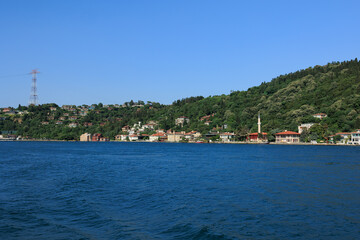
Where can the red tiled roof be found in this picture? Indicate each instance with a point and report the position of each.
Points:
(255, 134)
(343, 133)
(227, 133)
(288, 133)
(158, 135)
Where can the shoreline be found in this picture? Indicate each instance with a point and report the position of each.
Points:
(245, 143)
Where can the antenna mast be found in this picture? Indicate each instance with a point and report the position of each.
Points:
(33, 96)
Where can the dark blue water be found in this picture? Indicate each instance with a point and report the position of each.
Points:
(60, 190)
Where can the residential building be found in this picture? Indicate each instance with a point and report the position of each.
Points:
(121, 137)
(66, 107)
(175, 136)
(287, 137)
(59, 122)
(125, 128)
(181, 120)
(157, 137)
(227, 136)
(86, 137)
(304, 126)
(133, 137)
(52, 108)
(345, 137)
(73, 125)
(45, 123)
(355, 137)
(96, 137)
(320, 115)
(104, 139)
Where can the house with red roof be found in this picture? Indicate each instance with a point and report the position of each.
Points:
(254, 137)
(320, 115)
(287, 137)
(96, 137)
(157, 137)
(227, 136)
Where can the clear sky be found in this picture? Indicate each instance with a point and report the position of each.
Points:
(114, 51)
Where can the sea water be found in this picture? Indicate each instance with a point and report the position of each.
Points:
(76, 190)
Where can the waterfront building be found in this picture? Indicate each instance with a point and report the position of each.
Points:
(157, 137)
(86, 137)
(227, 136)
(175, 136)
(133, 137)
(287, 137)
(96, 137)
(191, 136)
(355, 137)
(258, 136)
(121, 137)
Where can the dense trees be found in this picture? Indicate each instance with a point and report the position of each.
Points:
(284, 103)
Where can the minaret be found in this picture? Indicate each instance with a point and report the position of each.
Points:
(259, 124)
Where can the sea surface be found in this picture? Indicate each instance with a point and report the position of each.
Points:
(75, 190)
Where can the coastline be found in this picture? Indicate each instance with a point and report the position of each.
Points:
(245, 143)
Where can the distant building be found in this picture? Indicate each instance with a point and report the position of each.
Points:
(157, 137)
(86, 137)
(52, 108)
(175, 136)
(287, 137)
(258, 136)
(125, 128)
(181, 120)
(227, 136)
(304, 126)
(355, 137)
(73, 125)
(320, 115)
(133, 137)
(66, 107)
(6, 110)
(96, 137)
(121, 137)
(104, 139)
(59, 122)
(254, 137)
(345, 137)
(192, 136)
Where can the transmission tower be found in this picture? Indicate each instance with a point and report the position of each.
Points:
(33, 95)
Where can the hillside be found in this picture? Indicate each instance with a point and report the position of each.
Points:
(284, 103)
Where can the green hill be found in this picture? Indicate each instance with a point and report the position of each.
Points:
(284, 103)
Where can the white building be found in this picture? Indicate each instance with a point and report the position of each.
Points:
(86, 137)
(304, 126)
(227, 136)
(355, 137)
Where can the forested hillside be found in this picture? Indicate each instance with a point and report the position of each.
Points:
(284, 103)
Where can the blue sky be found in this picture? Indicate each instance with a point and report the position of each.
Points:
(114, 51)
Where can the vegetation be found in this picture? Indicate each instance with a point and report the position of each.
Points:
(284, 103)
